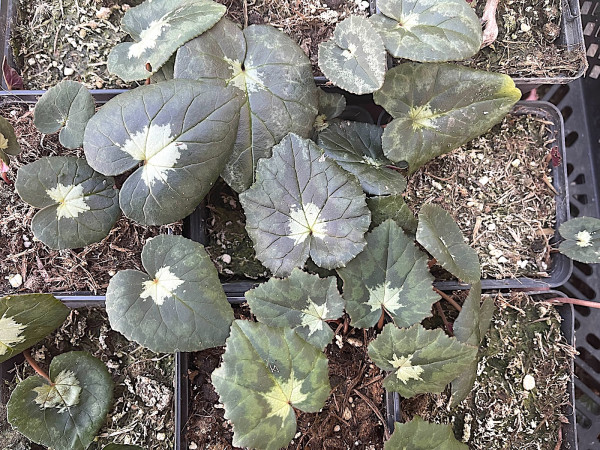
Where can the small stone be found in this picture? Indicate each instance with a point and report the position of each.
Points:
(491, 226)
(338, 341)
(350, 400)
(31, 61)
(336, 429)
(15, 280)
(27, 244)
(297, 435)
(226, 258)
(68, 71)
(192, 446)
(160, 436)
(525, 28)
(25, 237)
(82, 33)
(502, 260)
(516, 163)
(104, 13)
(347, 415)
(99, 84)
(528, 382)
(354, 342)
(484, 180)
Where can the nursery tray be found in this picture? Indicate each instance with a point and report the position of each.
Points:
(567, 328)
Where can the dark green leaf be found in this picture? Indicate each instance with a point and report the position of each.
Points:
(302, 302)
(8, 141)
(439, 107)
(302, 205)
(392, 207)
(181, 130)
(78, 205)
(67, 107)
(274, 76)
(582, 239)
(442, 238)
(331, 105)
(158, 29)
(420, 361)
(420, 435)
(179, 306)
(266, 373)
(27, 319)
(391, 274)
(68, 414)
(356, 147)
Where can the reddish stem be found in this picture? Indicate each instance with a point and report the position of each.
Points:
(381, 319)
(575, 301)
(35, 366)
(448, 299)
(5, 178)
(447, 324)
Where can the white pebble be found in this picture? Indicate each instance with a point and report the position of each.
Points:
(502, 260)
(31, 61)
(484, 180)
(525, 28)
(528, 382)
(193, 446)
(226, 258)
(15, 280)
(516, 163)
(160, 436)
(336, 428)
(68, 71)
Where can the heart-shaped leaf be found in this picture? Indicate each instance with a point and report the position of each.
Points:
(302, 302)
(356, 147)
(420, 435)
(419, 360)
(67, 414)
(428, 30)
(354, 59)
(302, 205)
(158, 29)
(390, 275)
(78, 205)
(266, 373)
(275, 77)
(439, 107)
(181, 130)
(392, 207)
(179, 305)
(582, 239)
(442, 238)
(331, 104)
(470, 328)
(67, 107)
(27, 319)
(8, 141)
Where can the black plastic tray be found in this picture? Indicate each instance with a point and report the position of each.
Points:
(568, 329)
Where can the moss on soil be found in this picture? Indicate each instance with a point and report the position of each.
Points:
(142, 412)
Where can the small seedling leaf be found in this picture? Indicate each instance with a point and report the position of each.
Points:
(391, 274)
(179, 305)
(8, 141)
(68, 414)
(67, 107)
(354, 59)
(302, 302)
(78, 205)
(420, 361)
(428, 30)
(392, 207)
(266, 374)
(27, 319)
(582, 239)
(158, 29)
(439, 107)
(302, 205)
(442, 238)
(356, 147)
(181, 130)
(420, 435)
(274, 76)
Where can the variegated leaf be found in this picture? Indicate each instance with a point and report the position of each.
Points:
(8, 141)
(420, 435)
(582, 239)
(392, 207)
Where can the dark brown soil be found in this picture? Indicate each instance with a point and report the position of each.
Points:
(142, 411)
(44, 269)
(353, 416)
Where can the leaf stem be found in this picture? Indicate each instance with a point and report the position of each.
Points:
(381, 319)
(448, 299)
(35, 366)
(575, 301)
(447, 324)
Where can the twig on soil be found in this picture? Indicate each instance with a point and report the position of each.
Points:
(448, 299)
(245, 14)
(35, 366)
(386, 432)
(447, 324)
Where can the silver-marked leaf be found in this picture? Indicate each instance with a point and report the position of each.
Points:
(392, 207)
(68, 414)
(390, 275)
(182, 131)
(302, 205)
(354, 59)
(78, 205)
(266, 373)
(582, 239)
(420, 435)
(122, 447)
(67, 107)
(439, 107)
(274, 76)
(419, 360)
(158, 29)
(428, 30)
(331, 104)
(442, 238)
(179, 305)
(27, 319)
(302, 302)
(165, 73)
(470, 328)
(8, 141)
(356, 147)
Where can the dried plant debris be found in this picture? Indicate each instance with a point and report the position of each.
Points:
(142, 412)
(68, 39)
(27, 265)
(499, 190)
(527, 44)
(520, 395)
(308, 22)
